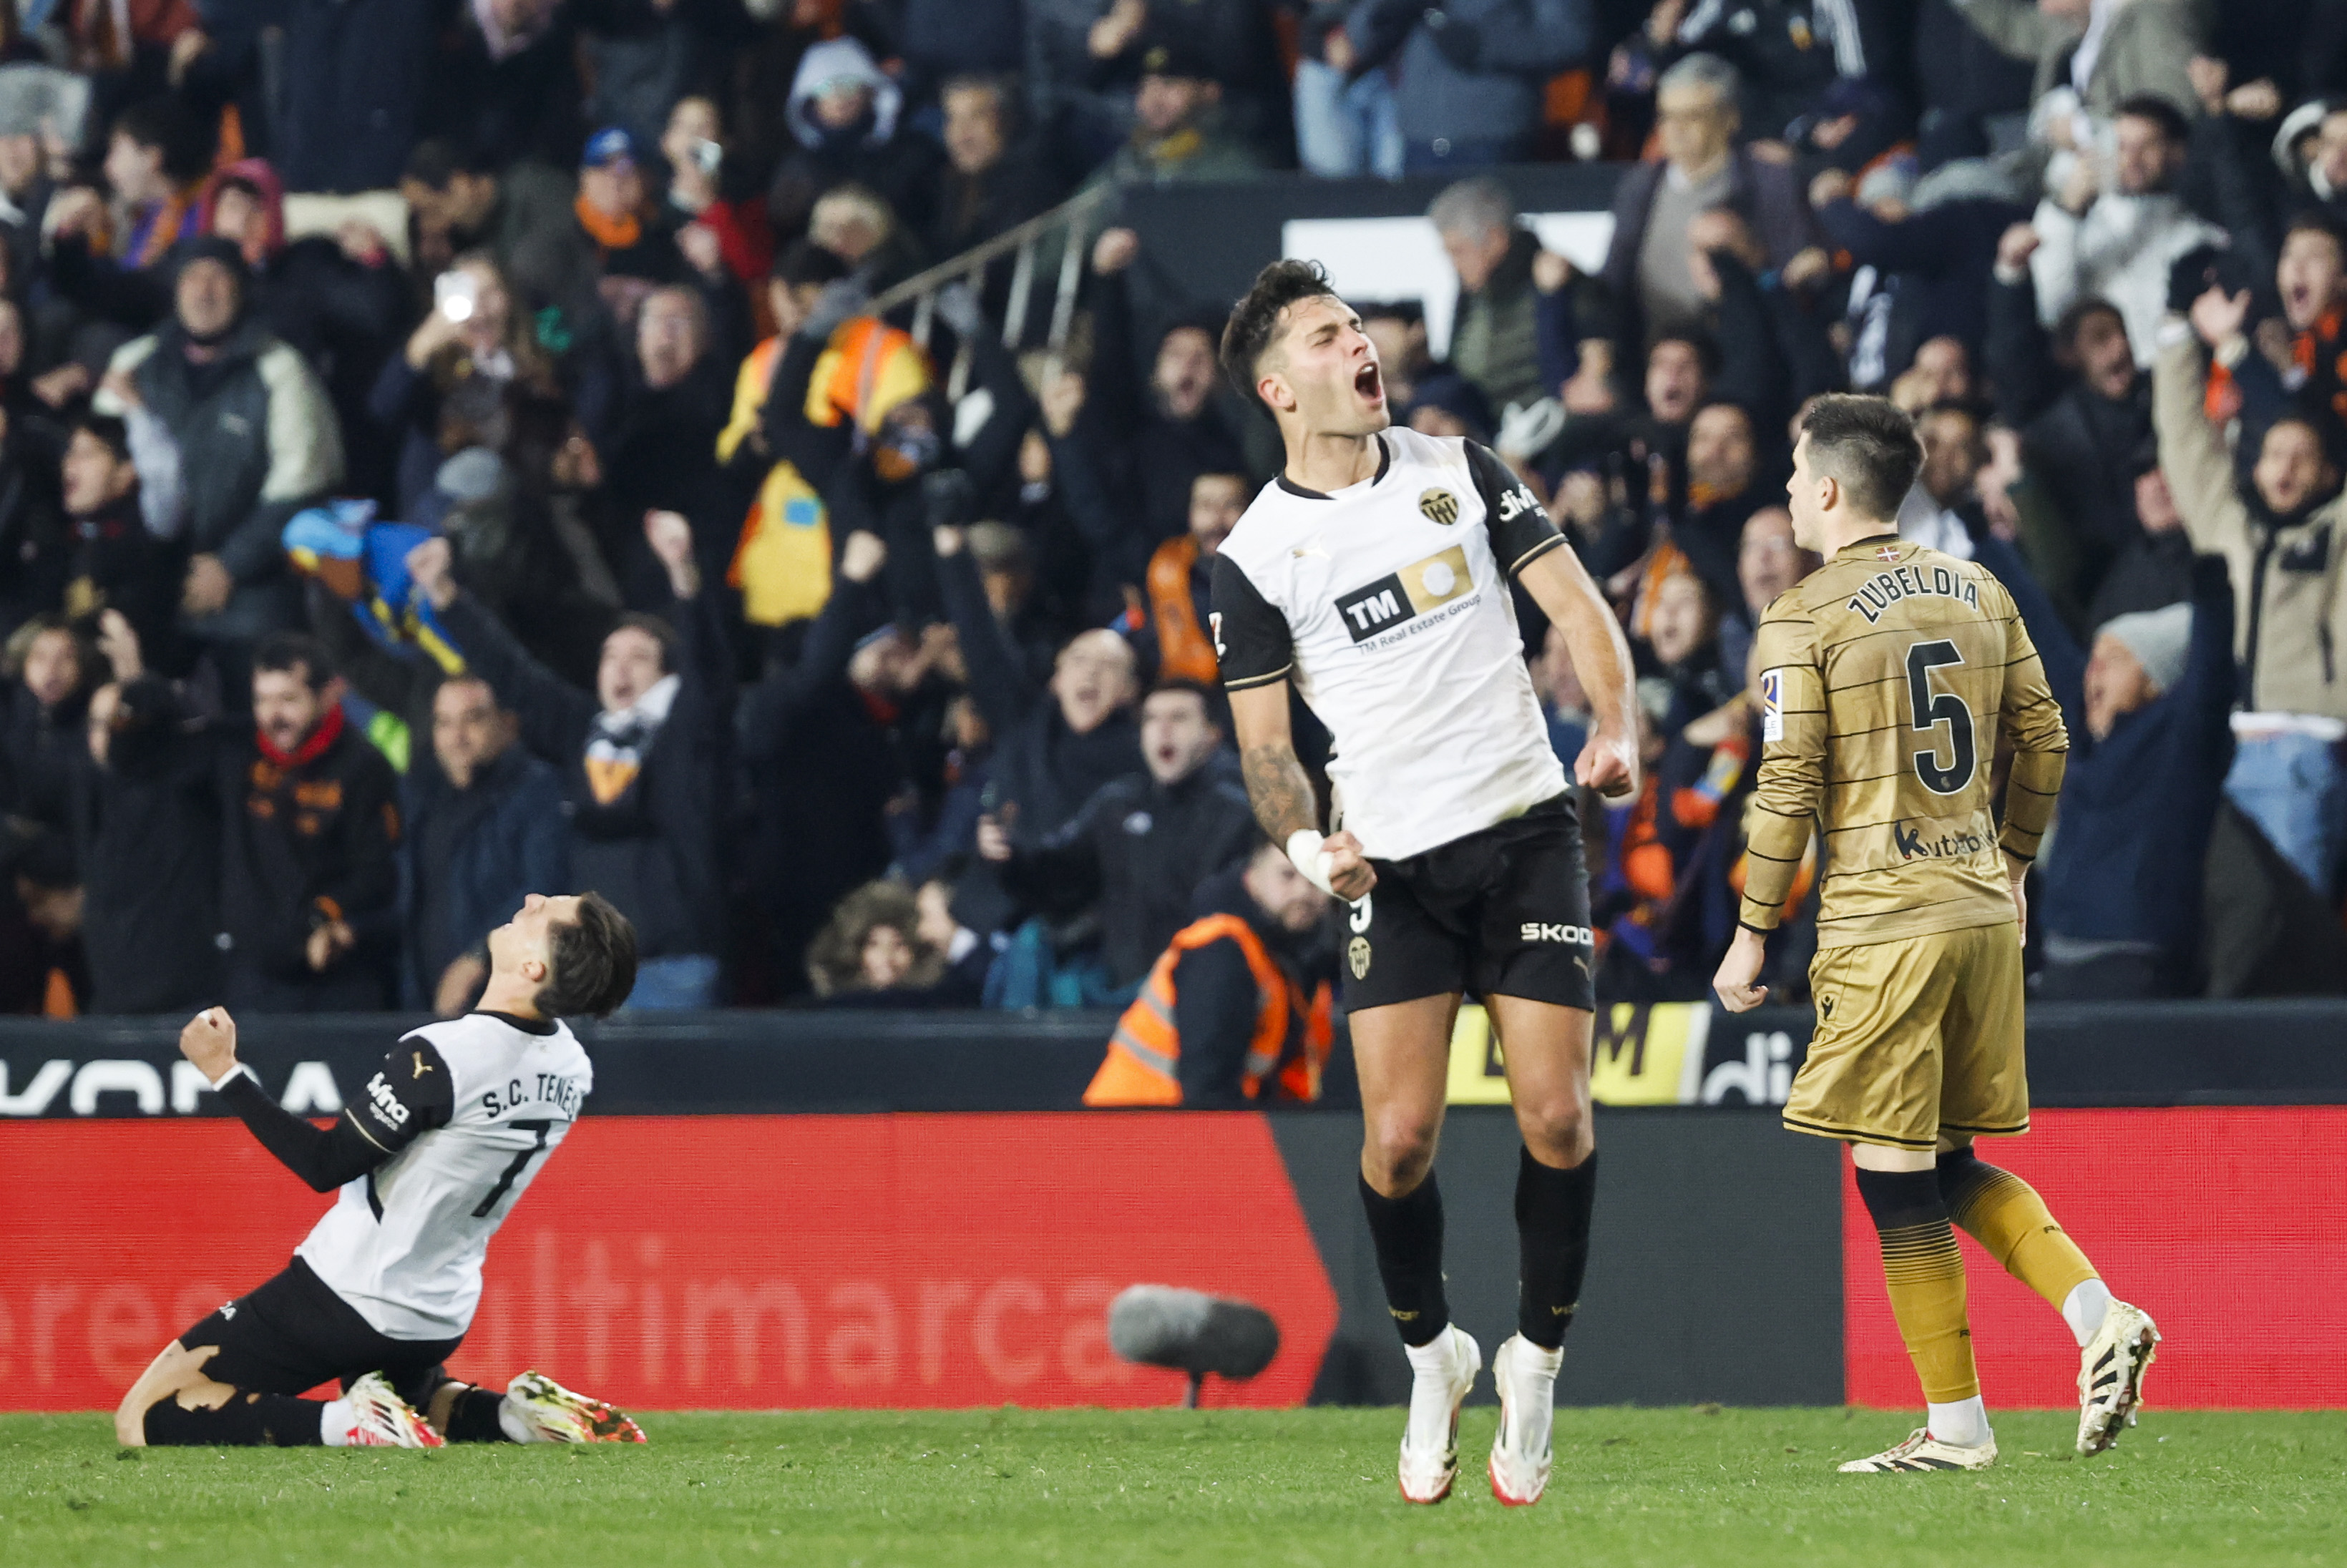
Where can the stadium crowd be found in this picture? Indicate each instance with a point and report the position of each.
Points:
(569, 521)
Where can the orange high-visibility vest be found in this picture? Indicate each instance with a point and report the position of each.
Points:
(1184, 652)
(1291, 1041)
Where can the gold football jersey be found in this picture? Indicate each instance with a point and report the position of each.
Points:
(1887, 677)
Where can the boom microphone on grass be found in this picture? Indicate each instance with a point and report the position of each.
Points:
(1191, 1332)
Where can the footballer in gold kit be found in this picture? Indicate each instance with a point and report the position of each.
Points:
(1889, 677)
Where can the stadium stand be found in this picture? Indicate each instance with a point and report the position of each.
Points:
(757, 458)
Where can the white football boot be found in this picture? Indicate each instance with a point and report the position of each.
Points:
(1526, 1376)
(381, 1419)
(552, 1413)
(2110, 1375)
(1921, 1450)
(1430, 1443)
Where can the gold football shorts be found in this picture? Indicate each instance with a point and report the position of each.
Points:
(1915, 1037)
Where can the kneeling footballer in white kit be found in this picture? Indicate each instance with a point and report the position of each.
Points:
(429, 1161)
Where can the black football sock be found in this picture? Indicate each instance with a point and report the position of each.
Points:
(473, 1417)
(1408, 1231)
(247, 1420)
(1552, 1238)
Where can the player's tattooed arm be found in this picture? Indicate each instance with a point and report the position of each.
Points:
(1276, 785)
(1282, 795)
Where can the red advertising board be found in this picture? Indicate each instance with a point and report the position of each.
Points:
(717, 1262)
(2220, 1222)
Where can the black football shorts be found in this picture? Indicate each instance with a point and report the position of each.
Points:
(1503, 912)
(293, 1333)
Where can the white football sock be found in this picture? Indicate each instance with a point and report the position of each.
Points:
(1429, 1396)
(1533, 1358)
(1964, 1424)
(510, 1423)
(2084, 1307)
(335, 1423)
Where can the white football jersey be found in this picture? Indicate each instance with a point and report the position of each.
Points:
(1388, 606)
(469, 1110)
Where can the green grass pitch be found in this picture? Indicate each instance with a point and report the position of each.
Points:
(1310, 1488)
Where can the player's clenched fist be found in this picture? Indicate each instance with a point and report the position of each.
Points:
(209, 1042)
(1350, 875)
(1737, 982)
(1608, 764)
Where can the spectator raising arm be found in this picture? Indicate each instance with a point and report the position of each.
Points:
(555, 715)
(770, 709)
(1006, 694)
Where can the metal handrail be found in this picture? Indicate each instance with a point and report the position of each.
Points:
(1072, 219)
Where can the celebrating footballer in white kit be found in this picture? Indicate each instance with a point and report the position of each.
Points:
(1373, 577)
(429, 1160)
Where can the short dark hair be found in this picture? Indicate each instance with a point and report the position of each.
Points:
(162, 123)
(1254, 320)
(2312, 220)
(2077, 314)
(436, 161)
(1174, 683)
(803, 262)
(594, 962)
(1706, 351)
(1868, 443)
(652, 627)
(1751, 426)
(106, 429)
(2159, 111)
(1002, 87)
(282, 652)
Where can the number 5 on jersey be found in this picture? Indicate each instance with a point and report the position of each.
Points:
(1929, 710)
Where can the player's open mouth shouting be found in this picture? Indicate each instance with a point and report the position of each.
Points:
(1369, 383)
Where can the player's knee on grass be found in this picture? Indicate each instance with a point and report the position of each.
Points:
(174, 1368)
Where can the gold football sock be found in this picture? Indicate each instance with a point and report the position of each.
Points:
(1925, 1273)
(2004, 1214)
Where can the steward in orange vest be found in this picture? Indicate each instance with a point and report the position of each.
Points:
(1234, 1013)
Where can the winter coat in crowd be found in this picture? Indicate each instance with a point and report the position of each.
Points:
(505, 95)
(2290, 584)
(1042, 769)
(2145, 46)
(258, 442)
(1138, 852)
(647, 790)
(35, 542)
(822, 769)
(1938, 256)
(353, 76)
(1766, 196)
(2080, 445)
(1474, 83)
(879, 152)
(2122, 248)
(146, 840)
(1494, 331)
(38, 748)
(307, 837)
(2123, 879)
(471, 856)
(1139, 458)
